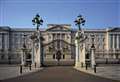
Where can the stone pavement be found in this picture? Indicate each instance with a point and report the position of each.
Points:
(59, 74)
(106, 71)
(10, 71)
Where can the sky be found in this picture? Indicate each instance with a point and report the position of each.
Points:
(97, 13)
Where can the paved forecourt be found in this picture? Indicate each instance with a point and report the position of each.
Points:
(59, 74)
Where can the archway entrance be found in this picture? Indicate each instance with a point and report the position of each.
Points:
(58, 55)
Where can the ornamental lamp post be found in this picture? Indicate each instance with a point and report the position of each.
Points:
(23, 60)
(37, 20)
(24, 50)
(80, 42)
(37, 39)
(93, 63)
(79, 21)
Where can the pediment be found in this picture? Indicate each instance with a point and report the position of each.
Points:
(58, 28)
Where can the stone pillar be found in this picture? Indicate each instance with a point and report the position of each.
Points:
(80, 52)
(109, 42)
(22, 58)
(77, 51)
(113, 42)
(82, 55)
(38, 51)
(60, 41)
(37, 57)
(92, 57)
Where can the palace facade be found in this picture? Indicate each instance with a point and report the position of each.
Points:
(58, 37)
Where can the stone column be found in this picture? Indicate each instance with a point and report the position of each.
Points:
(113, 42)
(92, 57)
(38, 63)
(38, 51)
(77, 52)
(80, 52)
(6, 45)
(60, 41)
(22, 58)
(33, 51)
(82, 55)
(117, 41)
(109, 42)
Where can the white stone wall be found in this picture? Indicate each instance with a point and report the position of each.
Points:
(102, 40)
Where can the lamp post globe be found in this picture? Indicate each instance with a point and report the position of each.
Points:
(37, 20)
(79, 21)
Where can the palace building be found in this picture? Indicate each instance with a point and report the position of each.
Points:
(57, 37)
